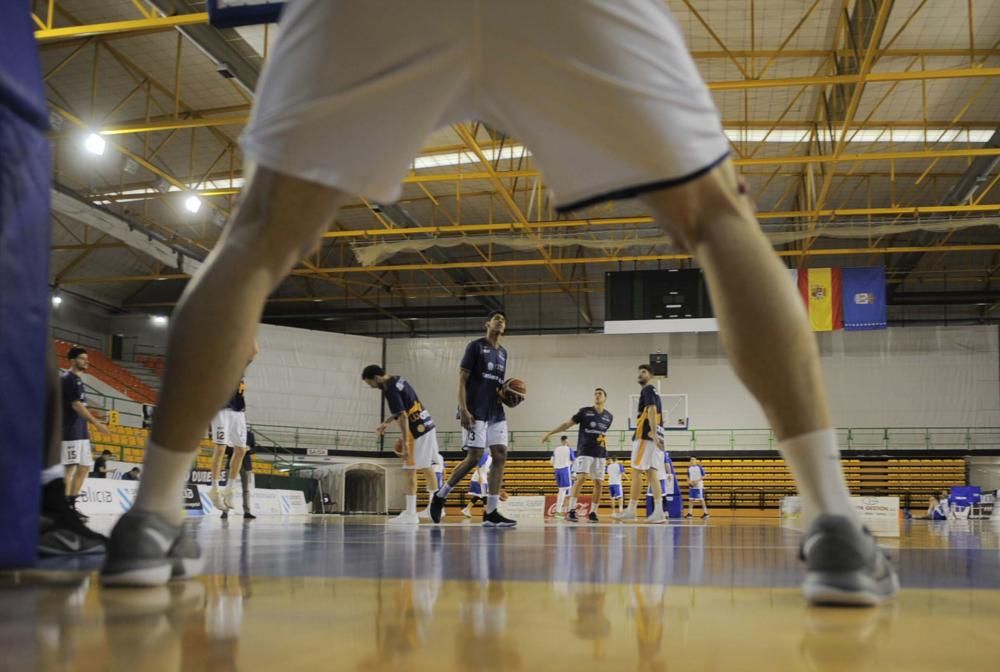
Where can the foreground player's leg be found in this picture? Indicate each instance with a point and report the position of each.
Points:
(492, 517)
(472, 456)
(772, 349)
(279, 221)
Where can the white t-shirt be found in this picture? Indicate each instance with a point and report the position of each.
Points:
(615, 473)
(560, 457)
(437, 463)
(695, 479)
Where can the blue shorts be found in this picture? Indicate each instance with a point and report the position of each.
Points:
(696, 493)
(937, 515)
(563, 479)
(615, 491)
(476, 488)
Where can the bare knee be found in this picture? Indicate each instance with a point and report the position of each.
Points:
(499, 454)
(686, 210)
(281, 220)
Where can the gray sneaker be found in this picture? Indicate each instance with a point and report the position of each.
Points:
(146, 550)
(844, 565)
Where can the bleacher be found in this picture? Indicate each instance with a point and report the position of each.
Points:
(760, 483)
(105, 370)
(152, 362)
(127, 444)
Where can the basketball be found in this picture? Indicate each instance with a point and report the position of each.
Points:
(514, 391)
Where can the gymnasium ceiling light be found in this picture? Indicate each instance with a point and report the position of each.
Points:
(192, 204)
(94, 144)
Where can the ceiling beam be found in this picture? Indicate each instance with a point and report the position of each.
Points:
(136, 26)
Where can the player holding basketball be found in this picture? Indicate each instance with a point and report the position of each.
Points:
(591, 450)
(647, 449)
(611, 105)
(482, 416)
(417, 427)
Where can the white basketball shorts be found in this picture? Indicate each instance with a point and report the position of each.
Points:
(229, 428)
(421, 450)
(604, 94)
(592, 467)
(77, 452)
(645, 455)
(484, 434)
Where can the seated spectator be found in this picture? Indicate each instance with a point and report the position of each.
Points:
(132, 475)
(101, 465)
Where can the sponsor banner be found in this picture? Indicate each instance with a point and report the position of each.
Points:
(192, 502)
(106, 496)
(204, 477)
(323, 452)
(531, 508)
(262, 502)
(582, 505)
(880, 514)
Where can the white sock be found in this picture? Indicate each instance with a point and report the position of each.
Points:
(814, 461)
(632, 504)
(491, 503)
(52, 473)
(444, 490)
(411, 504)
(161, 489)
(657, 505)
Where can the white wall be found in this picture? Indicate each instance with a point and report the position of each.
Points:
(918, 376)
(312, 379)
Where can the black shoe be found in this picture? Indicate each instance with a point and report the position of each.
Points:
(225, 515)
(494, 519)
(592, 517)
(72, 504)
(437, 506)
(571, 517)
(249, 516)
(61, 530)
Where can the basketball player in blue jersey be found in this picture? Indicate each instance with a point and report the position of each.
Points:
(611, 105)
(591, 451)
(419, 434)
(647, 449)
(481, 414)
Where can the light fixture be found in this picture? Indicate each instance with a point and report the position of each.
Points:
(94, 144)
(158, 320)
(192, 203)
(56, 300)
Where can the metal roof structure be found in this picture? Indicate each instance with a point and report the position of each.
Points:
(866, 131)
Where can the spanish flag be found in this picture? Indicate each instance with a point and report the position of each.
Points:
(820, 289)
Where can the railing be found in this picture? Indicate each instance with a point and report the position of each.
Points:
(694, 440)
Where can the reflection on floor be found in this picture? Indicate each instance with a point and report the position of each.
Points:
(299, 593)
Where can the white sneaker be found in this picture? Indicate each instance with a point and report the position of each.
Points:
(425, 514)
(216, 498)
(404, 519)
(627, 514)
(466, 512)
(657, 517)
(227, 497)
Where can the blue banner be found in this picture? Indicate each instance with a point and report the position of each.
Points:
(863, 292)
